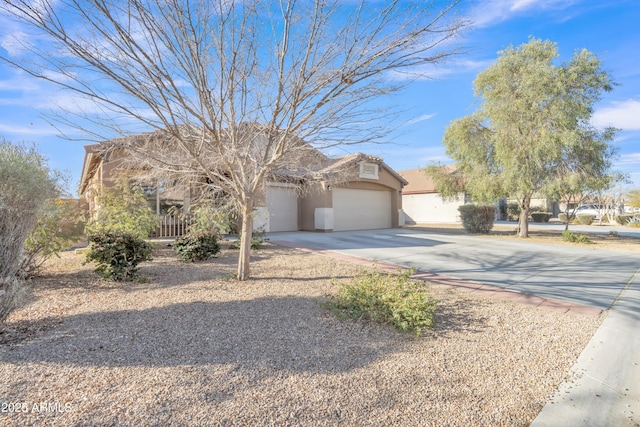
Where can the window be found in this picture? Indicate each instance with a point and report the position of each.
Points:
(369, 170)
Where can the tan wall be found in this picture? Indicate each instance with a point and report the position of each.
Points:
(430, 207)
(316, 196)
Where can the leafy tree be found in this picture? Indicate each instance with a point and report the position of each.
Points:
(26, 185)
(532, 128)
(633, 198)
(232, 88)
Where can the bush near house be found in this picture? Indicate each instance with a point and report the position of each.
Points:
(513, 211)
(117, 254)
(197, 246)
(585, 219)
(385, 298)
(477, 219)
(623, 219)
(541, 216)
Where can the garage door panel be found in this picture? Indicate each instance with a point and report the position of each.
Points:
(282, 204)
(356, 209)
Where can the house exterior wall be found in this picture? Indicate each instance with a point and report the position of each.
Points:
(316, 196)
(316, 203)
(430, 207)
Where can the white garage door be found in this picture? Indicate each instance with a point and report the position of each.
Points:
(361, 209)
(282, 204)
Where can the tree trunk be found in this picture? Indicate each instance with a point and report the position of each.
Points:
(245, 241)
(523, 224)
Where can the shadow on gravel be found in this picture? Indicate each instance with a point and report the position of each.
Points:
(283, 333)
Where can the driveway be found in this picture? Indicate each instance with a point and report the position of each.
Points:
(579, 275)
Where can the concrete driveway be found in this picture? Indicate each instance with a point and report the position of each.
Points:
(579, 275)
(605, 389)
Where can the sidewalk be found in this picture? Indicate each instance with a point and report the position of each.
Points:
(606, 390)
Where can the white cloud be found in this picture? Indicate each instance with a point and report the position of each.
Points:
(492, 11)
(630, 159)
(19, 83)
(624, 115)
(439, 71)
(27, 130)
(419, 119)
(16, 43)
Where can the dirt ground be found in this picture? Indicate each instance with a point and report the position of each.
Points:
(192, 346)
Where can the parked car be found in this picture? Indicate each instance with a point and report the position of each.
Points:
(593, 210)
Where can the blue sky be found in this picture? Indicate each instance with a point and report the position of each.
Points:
(608, 29)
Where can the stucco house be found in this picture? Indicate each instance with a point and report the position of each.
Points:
(422, 203)
(354, 192)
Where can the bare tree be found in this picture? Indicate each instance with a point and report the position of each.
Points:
(234, 86)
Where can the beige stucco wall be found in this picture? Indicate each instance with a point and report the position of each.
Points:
(430, 207)
(317, 195)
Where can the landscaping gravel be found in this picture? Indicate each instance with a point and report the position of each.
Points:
(192, 346)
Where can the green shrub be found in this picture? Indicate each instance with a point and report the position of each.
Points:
(207, 217)
(26, 185)
(123, 209)
(585, 219)
(568, 236)
(257, 240)
(513, 211)
(197, 246)
(385, 298)
(623, 219)
(117, 254)
(477, 219)
(60, 225)
(541, 216)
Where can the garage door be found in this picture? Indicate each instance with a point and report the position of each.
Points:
(282, 204)
(361, 209)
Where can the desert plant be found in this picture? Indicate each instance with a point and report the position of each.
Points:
(562, 217)
(585, 219)
(477, 219)
(117, 254)
(568, 236)
(197, 246)
(513, 211)
(541, 216)
(26, 185)
(623, 219)
(634, 222)
(257, 241)
(123, 208)
(385, 298)
(209, 217)
(60, 224)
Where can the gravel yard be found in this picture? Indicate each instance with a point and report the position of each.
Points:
(193, 347)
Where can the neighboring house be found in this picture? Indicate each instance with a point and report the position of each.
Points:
(354, 192)
(422, 203)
